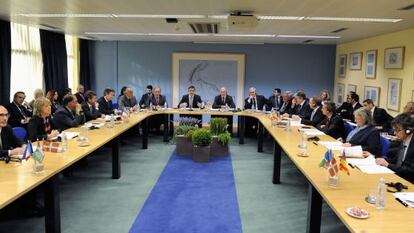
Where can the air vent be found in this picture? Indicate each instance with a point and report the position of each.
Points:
(339, 30)
(307, 41)
(407, 8)
(204, 27)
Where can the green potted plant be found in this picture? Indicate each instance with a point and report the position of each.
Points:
(182, 138)
(221, 138)
(201, 139)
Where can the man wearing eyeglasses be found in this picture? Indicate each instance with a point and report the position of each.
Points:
(19, 111)
(10, 145)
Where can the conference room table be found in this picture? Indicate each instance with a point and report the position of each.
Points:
(17, 179)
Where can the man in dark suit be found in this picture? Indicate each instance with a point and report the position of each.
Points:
(80, 95)
(316, 115)
(332, 125)
(128, 100)
(221, 101)
(276, 100)
(343, 109)
(158, 101)
(191, 100)
(146, 98)
(401, 160)
(381, 119)
(353, 105)
(19, 113)
(302, 108)
(89, 106)
(253, 102)
(70, 114)
(105, 102)
(286, 107)
(10, 145)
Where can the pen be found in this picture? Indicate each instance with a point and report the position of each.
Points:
(400, 201)
(315, 143)
(352, 166)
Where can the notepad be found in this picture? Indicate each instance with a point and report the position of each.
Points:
(406, 197)
(353, 152)
(333, 145)
(69, 135)
(312, 132)
(368, 165)
(296, 123)
(94, 124)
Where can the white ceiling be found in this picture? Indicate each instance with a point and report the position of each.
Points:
(11, 10)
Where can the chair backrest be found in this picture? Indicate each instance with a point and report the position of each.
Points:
(115, 106)
(385, 143)
(20, 133)
(348, 128)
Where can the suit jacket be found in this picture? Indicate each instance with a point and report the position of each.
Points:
(334, 127)
(145, 100)
(406, 170)
(261, 101)
(17, 116)
(343, 110)
(349, 112)
(54, 107)
(286, 108)
(369, 139)
(185, 99)
(105, 107)
(218, 102)
(9, 141)
(303, 111)
(65, 119)
(275, 102)
(37, 130)
(90, 114)
(382, 118)
(161, 101)
(80, 97)
(317, 118)
(125, 102)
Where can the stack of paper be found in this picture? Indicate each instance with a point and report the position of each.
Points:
(296, 123)
(333, 145)
(353, 152)
(407, 198)
(369, 166)
(312, 132)
(95, 124)
(69, 135)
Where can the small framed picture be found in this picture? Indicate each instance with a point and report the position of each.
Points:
(371, 64)
(352, 87)
(394, 58)
(372, 93)
(342, 65)
(412, 96)
(394, 94)
(355, 61)
(340, 90)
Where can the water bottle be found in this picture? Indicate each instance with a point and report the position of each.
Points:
(165, 105)
(288, 126)
(64, 139)
(111, 123)
(381, 192)
(303, 140)
(264, 110)
(150, 106)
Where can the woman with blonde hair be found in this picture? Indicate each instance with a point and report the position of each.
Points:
(41, 125)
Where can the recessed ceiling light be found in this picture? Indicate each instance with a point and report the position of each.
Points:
(69, 15)
(244, 35)
(270, 17)
(308, 36)
(347, 19)
(177, 34)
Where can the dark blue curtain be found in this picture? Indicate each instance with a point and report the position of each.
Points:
(84, 66)
(55, 64)
(5, 61)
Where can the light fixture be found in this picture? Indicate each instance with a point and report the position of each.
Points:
(348, 19)
(244, 35)
(271, 17)
(145, 34)
(308, 36)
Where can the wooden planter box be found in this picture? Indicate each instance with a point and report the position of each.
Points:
(201, 154)
(218, 149)
(184, 147)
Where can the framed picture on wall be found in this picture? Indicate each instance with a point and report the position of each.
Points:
(394, 58)
(394, 94)
(340, 90)
(372, 93)
(412, 96)
(352, 87)
(342, 65)
(355, 61)
(371, 64)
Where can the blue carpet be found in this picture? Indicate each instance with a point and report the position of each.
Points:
(192, 198)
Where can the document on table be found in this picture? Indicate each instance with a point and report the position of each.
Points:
(369, 166)
(333, 145)
(296, 123)
(312, 132)
(69, 135)
(353, 152)
(406, 197)
(95, 124)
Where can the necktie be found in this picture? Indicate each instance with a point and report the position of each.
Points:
(21, 110)
(312, 114)
(191, 102)
(223, 100)
(91, 108)
(254, 103)
(401, 156)
(157, 100)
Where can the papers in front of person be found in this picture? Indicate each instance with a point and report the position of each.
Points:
(312, 132)
(407, 198)
(296, 123)
(350, 152)
(368, 165)
(69, 135)
(94, 124)
(333, 145)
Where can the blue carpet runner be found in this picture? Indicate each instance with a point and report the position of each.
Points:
(192, 198)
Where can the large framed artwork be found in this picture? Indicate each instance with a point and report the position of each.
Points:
(340, 91)
(372, 93)
(394, 94)
(394, 58)
(371, 64)
(342, 65)
(355, 61)
(208, 72)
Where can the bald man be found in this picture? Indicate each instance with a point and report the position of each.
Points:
(256, 103)
(10, 145)
(223, 99)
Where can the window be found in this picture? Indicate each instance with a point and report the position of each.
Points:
(72, 50)
(26, 61)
